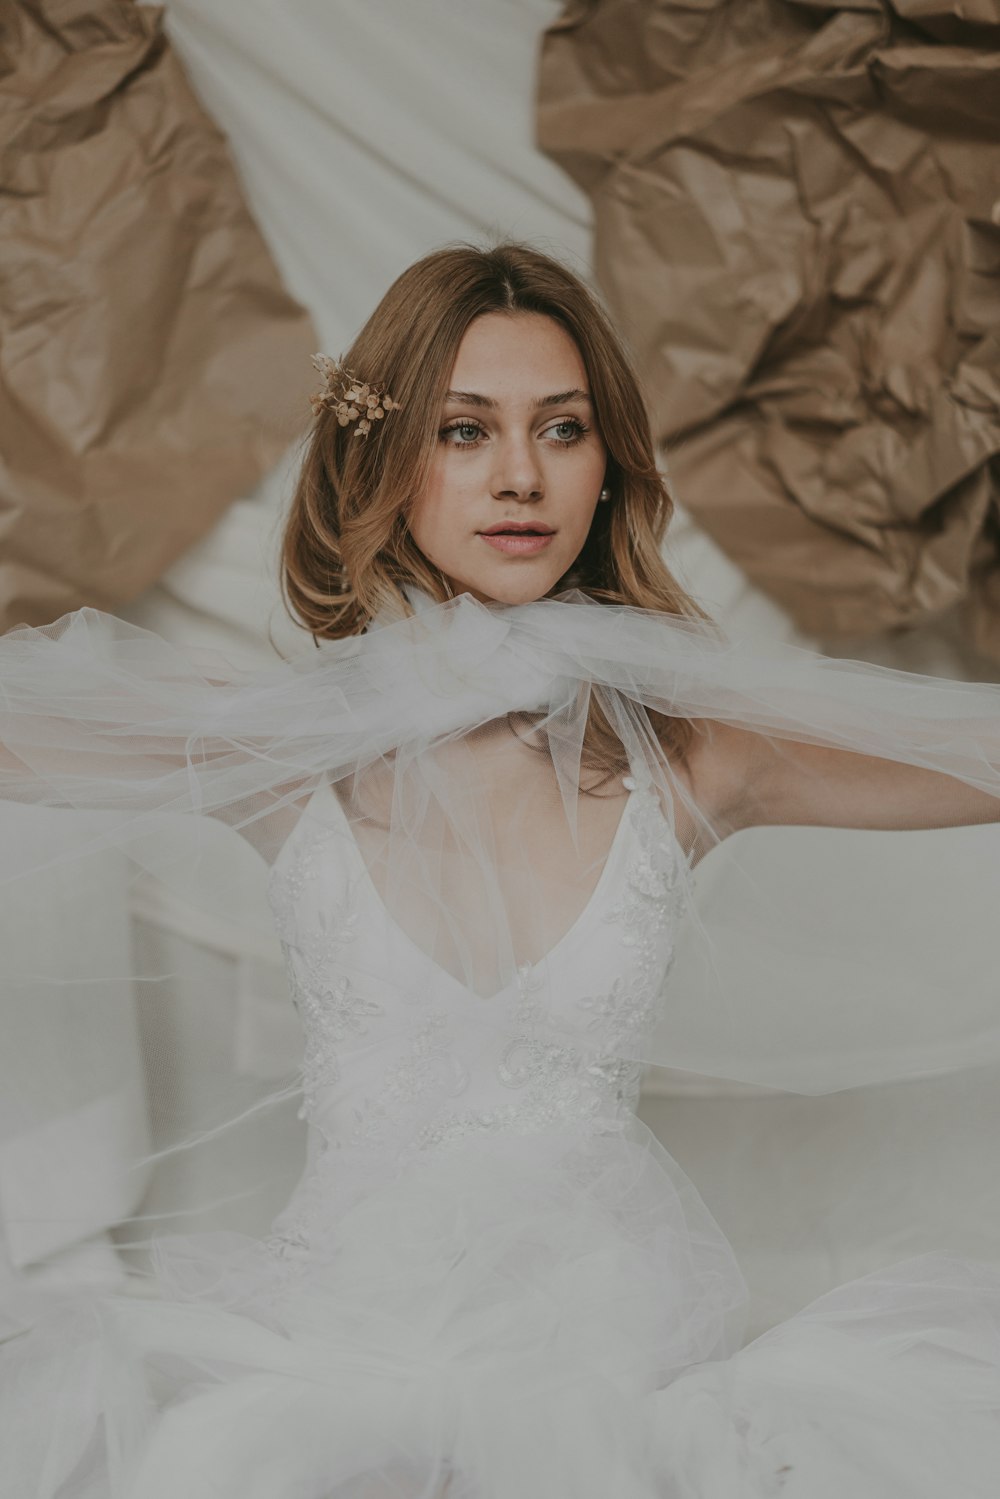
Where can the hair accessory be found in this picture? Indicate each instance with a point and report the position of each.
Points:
(349, 399)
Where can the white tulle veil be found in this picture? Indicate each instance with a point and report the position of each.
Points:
(448, 747)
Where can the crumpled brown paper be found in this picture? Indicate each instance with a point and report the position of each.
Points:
(152, 368)
(798, 227)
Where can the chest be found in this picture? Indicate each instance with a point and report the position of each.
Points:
(461, 934)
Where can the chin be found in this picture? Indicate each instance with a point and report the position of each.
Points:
(512, 590)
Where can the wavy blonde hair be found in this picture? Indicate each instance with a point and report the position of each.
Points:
(347, 550)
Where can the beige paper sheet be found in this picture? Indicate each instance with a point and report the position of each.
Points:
(152, 366)
(797, 213)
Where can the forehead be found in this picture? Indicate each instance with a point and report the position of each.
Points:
(507, 354)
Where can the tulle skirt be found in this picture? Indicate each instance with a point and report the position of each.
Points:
(509, 1316)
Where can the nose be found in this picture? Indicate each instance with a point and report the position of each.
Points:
(517, 473)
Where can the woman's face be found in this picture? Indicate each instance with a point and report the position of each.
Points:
(518, 465)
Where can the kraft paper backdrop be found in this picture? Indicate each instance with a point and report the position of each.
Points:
(152, 367)
(797, 216)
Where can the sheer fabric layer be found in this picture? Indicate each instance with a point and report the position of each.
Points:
(491, 1280)
(453, 742)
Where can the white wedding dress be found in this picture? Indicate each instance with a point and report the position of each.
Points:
(492, 1281)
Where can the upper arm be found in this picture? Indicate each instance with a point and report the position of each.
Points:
(753, 779)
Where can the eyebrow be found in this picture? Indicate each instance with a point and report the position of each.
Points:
(470, 398)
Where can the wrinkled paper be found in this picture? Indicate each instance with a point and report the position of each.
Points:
(152, 366)
(797, 216)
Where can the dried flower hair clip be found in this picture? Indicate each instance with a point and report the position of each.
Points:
(349, 399)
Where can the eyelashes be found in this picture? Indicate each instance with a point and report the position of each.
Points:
(474, 434)
(463, 427)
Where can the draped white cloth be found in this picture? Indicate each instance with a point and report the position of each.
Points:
(109, 721)
(491, 1273)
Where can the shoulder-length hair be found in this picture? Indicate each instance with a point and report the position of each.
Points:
(347, 550)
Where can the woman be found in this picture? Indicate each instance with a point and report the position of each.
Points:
(481, 818)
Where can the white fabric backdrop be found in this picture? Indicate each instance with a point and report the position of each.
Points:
(367, 136)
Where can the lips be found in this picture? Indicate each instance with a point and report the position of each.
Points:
(518, 528)
(518, 539)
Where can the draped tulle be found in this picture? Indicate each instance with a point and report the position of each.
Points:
(411, 723)
(491, 1279)
(556, 1316)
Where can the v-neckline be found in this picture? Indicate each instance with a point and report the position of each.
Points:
(526, 969)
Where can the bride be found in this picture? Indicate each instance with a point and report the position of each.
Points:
(481, 804)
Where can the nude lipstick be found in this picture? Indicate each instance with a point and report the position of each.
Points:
(518, 538)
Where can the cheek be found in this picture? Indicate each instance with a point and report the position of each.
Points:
(579, 476)
(451, 496)
(583, 487)
(433, 518)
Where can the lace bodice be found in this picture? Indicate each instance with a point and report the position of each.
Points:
(397, 1054)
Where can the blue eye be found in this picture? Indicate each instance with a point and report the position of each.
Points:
(569, 430)
(471, 432)
(465, 433)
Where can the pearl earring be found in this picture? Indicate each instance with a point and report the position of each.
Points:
(605, 493)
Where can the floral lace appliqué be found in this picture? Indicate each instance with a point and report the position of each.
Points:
(646, 916)
(430, 1068)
